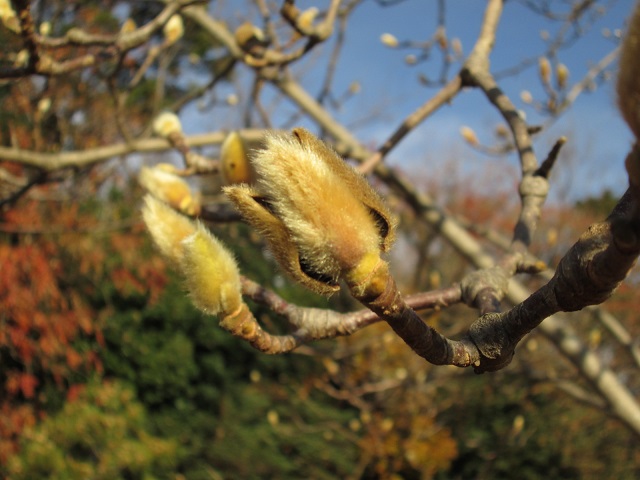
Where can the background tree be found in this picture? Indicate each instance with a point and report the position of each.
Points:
(86, 300)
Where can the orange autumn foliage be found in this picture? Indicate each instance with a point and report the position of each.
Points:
(51, 264)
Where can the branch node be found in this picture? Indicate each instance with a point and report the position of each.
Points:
(545, 169)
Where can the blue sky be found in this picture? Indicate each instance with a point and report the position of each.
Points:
(390, 90)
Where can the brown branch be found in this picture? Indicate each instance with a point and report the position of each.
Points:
(587, 275)
(81, 158)
(113, 45)
(449, 91)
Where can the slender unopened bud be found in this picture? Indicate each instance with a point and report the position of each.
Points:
(628, 87)
(235, 161)
(322, 219)
(169, 188)
(8, 16)
(306, 18)
(166, 123)
(44, 104)
(22, 58)
(248, 36)
(167, 228)
(411, 59)
(469, 135)
(211, 274)
(174, 29)
(45, 29)
(456, 46)
(544, 70)
(526, 97)
(389, 40)
(562, 75)
(128, 26)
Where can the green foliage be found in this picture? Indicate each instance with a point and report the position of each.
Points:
(600, 205)
(506, 429)
(103, 434)
(195, 380)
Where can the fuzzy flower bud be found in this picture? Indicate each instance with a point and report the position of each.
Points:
(323, 221)
(469, 135)
(389, 40)
(166, 123)
(249, 36)
(562, 75)
(628, 88)
(306, 18)
(544, 69)
(235, 161)
(169, 188)
(8, 16)
(167, 228)
(45, 29)
(129, 26)
(211, 274)
(174, 29)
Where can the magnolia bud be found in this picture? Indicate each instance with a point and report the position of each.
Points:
(562, 75)
(456, 46)
(167, 228)
(306, 18)
(211, 274)
(128, 26)
(234, 160)
(526, 97)
(469, 135)
(8, 16)
(174, 29)
(628, 88)
(249, 36)
(389, 40)
(322, 219)
(45, 29)
(169, 188)
(166, 123)
(544, 69)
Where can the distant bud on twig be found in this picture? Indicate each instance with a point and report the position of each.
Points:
(410, 59)
(232, 99)
(389, 40)
(44, 105)
(22, 58)
(469, 135)
(174, 29)
(441, 38)
(248, 36)
(628, 86)
(8, 16)
(544, 70)
(170, 189)
(166, 123)
(235, 161)
(456, 46)
(354, 88)
(562, 75)
(526, 96)
(211, 273)
(167, 228)
(45, 29)
(322, 219)
(306, 18)
(502, 131)
(129, 26)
